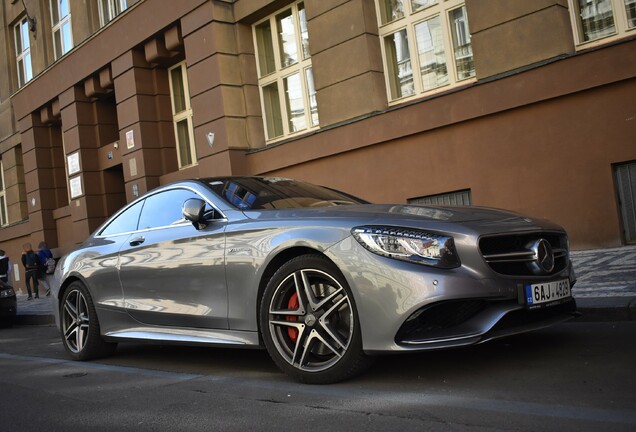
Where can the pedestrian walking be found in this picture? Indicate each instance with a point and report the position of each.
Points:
(5, 267)
(47, 266)
(31, 265)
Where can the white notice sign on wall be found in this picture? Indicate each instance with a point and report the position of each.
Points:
(76, 186)
(73, 162)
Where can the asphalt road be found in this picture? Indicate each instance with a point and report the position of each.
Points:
(573, 377)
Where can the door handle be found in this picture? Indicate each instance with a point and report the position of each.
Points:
(137, 241)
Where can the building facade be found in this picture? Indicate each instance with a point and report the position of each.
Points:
(528, 106)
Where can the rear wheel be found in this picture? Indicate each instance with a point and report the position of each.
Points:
(309, 322)
(80, 326)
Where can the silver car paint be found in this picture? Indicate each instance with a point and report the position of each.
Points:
(220, 271)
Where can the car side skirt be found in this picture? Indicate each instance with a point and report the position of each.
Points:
(186, 336)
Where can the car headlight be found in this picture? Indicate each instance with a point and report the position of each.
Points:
(408, 245)
(8, 292)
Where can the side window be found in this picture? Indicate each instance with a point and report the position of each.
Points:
(164, 208)
(125, 222)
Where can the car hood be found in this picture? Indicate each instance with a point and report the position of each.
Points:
(480, 218)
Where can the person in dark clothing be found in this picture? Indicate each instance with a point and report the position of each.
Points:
(45, 256)
(5, 267)
(31, 265)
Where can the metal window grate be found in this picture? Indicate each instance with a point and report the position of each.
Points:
(458, 198)
(626, 185)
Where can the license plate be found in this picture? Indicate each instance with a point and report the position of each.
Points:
(548, 292)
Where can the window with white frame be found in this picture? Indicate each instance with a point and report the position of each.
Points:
(23, 52)
(61, 22)
(109, 9)
(600, 21)
(182, 115)
(425, 44)
(3, 201)
(285, 76)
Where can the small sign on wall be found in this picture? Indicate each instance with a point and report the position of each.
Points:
(133, 167)
(130, 139)
(73, 162)
(75, 185)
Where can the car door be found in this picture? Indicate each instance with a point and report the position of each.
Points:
(99, 258)
(171, 273)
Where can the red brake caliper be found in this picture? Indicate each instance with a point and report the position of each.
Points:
(292, 305)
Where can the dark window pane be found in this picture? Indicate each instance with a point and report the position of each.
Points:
(125, 222)
(178, 90)
(164, 209)
(183, 143)
(265, 48)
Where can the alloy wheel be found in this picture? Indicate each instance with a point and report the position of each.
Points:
(75, 321)
(311, 320)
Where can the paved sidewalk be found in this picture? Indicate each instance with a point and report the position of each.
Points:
(605, 273)
(606, 283)
(605, 289)
(37, 311)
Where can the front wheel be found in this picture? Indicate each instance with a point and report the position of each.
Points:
(80, 326)
(309, 322)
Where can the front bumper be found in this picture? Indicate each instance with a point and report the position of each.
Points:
(410, 307)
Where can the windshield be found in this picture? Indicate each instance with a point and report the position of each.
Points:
(258, 193)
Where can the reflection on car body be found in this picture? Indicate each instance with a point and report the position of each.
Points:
(321, 279)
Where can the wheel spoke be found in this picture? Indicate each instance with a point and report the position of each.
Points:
(325, 322)
(295, 324)
(71, 332)
(301, 342)
(287, 312)
(284, 309)
(302, 281)
(329, 298)
(71, 309)
(315, 337)
(81, 336)
(70, 329)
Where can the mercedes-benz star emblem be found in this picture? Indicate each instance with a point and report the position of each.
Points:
(543, 255)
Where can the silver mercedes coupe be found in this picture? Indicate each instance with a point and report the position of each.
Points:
(321, 279)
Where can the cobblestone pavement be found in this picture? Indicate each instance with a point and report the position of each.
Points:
(605, 272)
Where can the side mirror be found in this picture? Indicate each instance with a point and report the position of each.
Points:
(193, 210)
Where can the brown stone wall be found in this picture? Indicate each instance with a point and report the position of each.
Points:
(38, 175)
(15, 188)
(507, 35)
(223, 103)
(143, 110)
(346, 59)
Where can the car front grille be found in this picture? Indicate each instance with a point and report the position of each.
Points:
(513, 254)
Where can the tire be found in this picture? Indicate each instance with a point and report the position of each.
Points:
(309, 322)
(80, 326)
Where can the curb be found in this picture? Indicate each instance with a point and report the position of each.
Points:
(603, 309)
